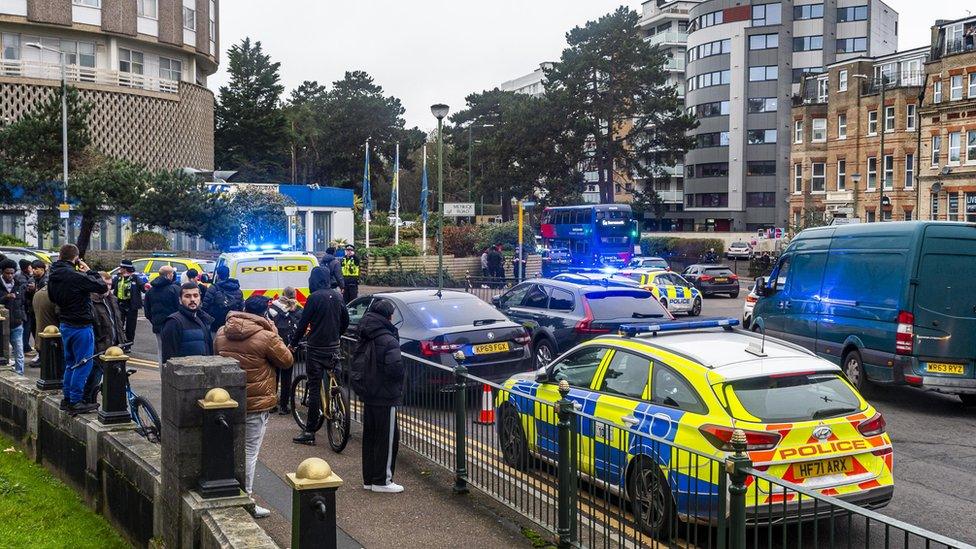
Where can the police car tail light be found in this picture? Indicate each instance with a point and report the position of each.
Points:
(873, 426)
(904, 334)
(433, 347)
(720, 435)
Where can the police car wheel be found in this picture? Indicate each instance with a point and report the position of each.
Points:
(854, 370)
(696, 307)
(651, 499)
(515, 449)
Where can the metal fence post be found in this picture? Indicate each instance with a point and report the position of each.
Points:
(566, 527)
(460, 426)
(735, 466)
(313, 505)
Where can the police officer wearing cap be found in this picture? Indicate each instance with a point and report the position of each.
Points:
(350, 273)
(127, 287)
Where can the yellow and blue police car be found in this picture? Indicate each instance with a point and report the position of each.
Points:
(270, 270)
(674, 292)
(655, 417)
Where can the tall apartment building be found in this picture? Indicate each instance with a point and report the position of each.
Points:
(837, 166)
(745, 61)
(948, 173)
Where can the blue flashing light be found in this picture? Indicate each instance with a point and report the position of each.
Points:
(252, 247)
(631, 330)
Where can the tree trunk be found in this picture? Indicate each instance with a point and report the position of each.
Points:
(84, 234)
(506, 195)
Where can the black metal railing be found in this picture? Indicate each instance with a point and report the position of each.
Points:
(893, 79)
(487, 287)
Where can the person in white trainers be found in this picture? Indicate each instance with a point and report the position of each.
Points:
(378, 357)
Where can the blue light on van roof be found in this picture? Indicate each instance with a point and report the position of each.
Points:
(631, 330)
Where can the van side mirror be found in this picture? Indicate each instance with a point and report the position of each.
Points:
(761, 289)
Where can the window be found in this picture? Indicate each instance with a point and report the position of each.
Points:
(869, 217)
(131, 61)
(762, 104)
(852, 13)
(911, 117)
(763, 41)
(713, 169)
(514, 297)
(798, 178)
(841, 175)
(759, 74)
(147, 8)
(189, 18)
(712, 48)
(81, 54)
(936, 149)
(170, 69)
(213, 24)
(937, 91)
(798, 74)
(935, 206)
(908, 215)
(807, 43)
(889, 172)
(842, 126)
(873, 123)
(760, 137)
(909, 171)
(708, 110)
(626, 375)
(761, 200)
(822, 89)
(955, 87)
(953, 206)
(811, 11)
(579, 368)
(761, 167)
(11, 46)
(716, 139)
(972, 85)
(851, 45)
(708, 79)
(560, 300)
(798, 131)
(819, 131)
(971, 147)
(818, 182)
(670, 389)
(766, 14)
(842, 80)
(707, 20)
(872, 173)
(954, 147)
(88, 3)
(707, 200)
(889, 121)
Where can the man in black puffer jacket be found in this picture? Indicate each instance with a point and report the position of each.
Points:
(187, 331)
(162, 300)
(382, 394)
(222, 297)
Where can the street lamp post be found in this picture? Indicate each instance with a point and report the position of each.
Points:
(439, 111)
(64, 128)
(884, 163)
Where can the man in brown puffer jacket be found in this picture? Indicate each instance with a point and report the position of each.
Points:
(251, 339)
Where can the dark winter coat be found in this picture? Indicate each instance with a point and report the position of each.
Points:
(495, 261)
(221, 298)
(29, 293)
(108, 322)
(286, 318)
(384, 387)
(162, 300)
(14, 304)
(325, 318)
(334, 267)
(71, 291)
(187, 333)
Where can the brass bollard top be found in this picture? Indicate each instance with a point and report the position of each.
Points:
(314, 473)
(113, 354)
(217, 399)
(738, 441)
(563, 386)
(51, 331)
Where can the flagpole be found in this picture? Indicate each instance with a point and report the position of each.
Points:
(367, 200)
(396, 195)
(423, 214)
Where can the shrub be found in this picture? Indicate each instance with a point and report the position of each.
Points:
(505, 234)
(409, 279)
(403, 249)
(669, 246)
(147, 240)
(380, 235)
(461, 241)
(10, 240)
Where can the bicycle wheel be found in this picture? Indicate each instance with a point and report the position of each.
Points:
(337, 426)
(146, 418)
(299, 404)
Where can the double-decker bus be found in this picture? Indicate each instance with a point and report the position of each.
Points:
(595, 235)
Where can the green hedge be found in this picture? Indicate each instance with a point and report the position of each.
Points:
(669, 246)
(10, 240)
(409, 279)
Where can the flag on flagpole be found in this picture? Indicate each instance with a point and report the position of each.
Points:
(423, 188)
(367, 194)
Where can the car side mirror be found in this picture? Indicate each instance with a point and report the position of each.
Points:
(760, 286)
(542, 375)
(496, 301)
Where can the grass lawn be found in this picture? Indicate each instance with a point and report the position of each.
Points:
(37, 510)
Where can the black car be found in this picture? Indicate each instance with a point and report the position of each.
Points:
(435, 327)
(713, 279)
(556, 260)
(562, 313)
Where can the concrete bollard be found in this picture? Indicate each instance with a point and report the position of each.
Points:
(52, 360)
(115, 408)
(313, 507)
(217, 447)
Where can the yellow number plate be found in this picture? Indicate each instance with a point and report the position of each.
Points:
(945, 368)
(489, 348)
(823, 467)
(721, 280)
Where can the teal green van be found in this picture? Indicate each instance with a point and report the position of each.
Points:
(892, 303)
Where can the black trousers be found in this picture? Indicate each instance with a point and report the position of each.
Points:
(130, 316)
(30, 326)
(284, 387)
(381, 441)
(319, 361)
(351, 291)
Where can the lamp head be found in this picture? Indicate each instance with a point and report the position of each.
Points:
(439, 110)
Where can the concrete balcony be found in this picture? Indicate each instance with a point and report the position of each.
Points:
(668, 38)
(17, 68)
(675, 64)
(671, 197)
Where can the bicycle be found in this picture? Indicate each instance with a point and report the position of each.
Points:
(334, 402)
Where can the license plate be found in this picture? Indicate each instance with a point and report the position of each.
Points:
(489, 348)
(721, 280)
(823, 467)
(945, 368)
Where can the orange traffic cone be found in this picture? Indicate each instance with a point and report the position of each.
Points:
(487, 415)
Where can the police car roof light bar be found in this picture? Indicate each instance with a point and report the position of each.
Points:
(632, 330)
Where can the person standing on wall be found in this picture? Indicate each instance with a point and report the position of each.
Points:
(128, 287)
(350, 274)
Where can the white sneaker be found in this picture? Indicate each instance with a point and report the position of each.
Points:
(260, 512)
(367, 486)
(391, 488)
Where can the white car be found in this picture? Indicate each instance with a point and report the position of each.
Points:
(739, 250)
(649, 263)
(747, 307)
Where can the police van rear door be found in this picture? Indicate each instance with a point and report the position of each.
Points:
(268, 275)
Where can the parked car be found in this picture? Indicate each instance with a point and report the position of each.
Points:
(561, 313)
(739, 250)
(748, 306)
(15, 253)
(434, 327)
(556, 260)
(649, 263)
(713, 279)
(675, 293)
(892, 303)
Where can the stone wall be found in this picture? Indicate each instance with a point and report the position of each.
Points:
(457, 267)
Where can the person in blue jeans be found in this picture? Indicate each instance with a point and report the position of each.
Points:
(70, 286)
(12, 297)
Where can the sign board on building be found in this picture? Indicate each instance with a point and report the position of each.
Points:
(970, 203)
(459, 209)
(847, 211)
(845, 220)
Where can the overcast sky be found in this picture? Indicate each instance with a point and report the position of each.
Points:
(430, 51)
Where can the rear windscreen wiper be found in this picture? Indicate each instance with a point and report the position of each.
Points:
(647, 315)
(485, 321)
(826, 412)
